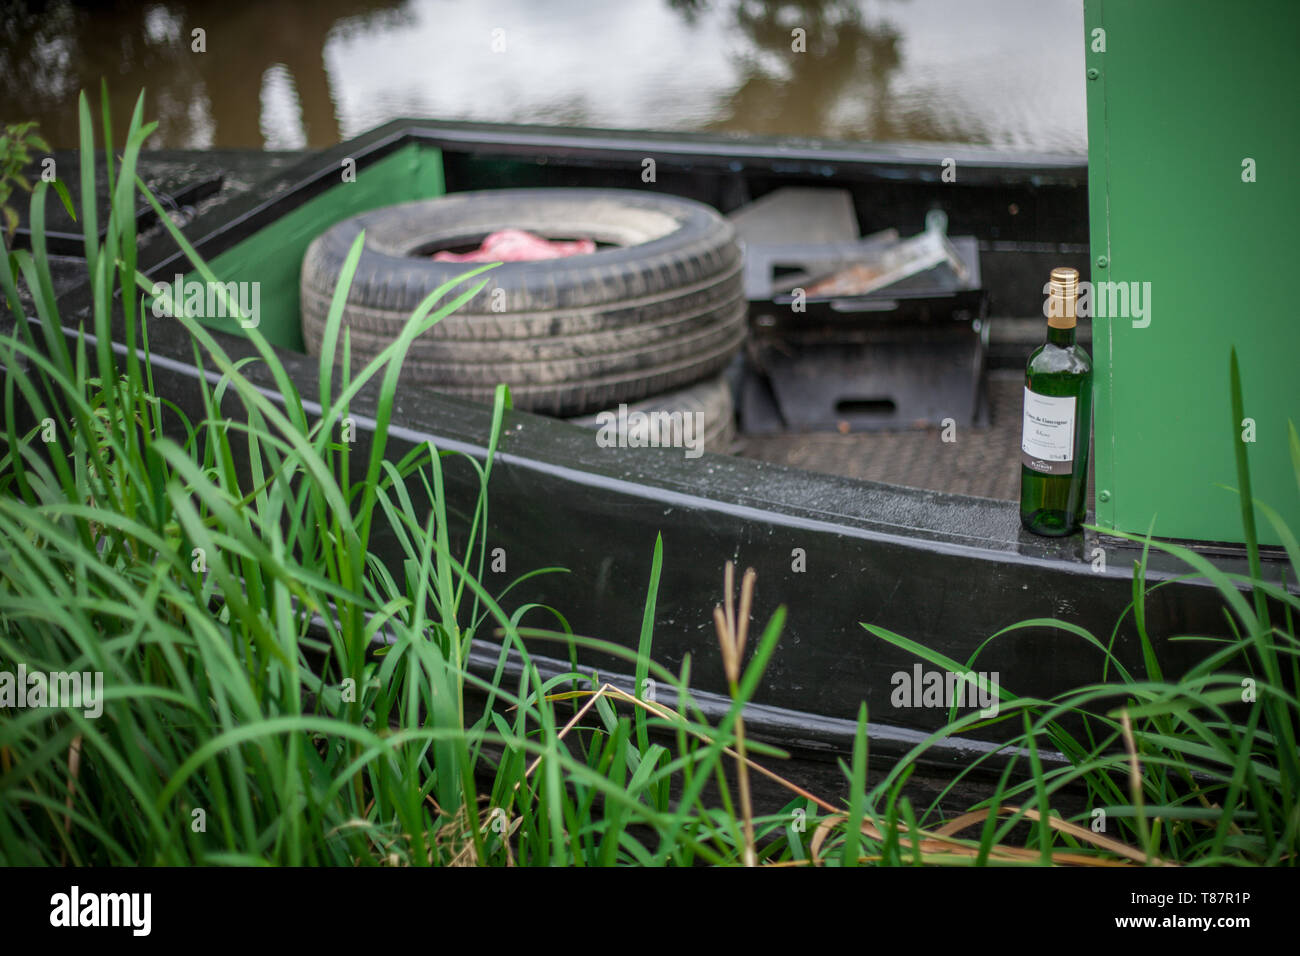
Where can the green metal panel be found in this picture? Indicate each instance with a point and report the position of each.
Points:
(273, 256)
(1183, 94)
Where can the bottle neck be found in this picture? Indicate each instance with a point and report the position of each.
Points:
(1061, 338)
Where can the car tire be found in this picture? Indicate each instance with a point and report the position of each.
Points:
(710, 400)
(658, 306)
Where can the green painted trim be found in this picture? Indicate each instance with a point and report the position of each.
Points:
(1104, 474)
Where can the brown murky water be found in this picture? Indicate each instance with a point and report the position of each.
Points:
(282, 75)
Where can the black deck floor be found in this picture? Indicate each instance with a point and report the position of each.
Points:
(982, 461)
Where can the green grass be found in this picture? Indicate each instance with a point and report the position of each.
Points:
(1198, 770)
(203, 565)
(207, 566)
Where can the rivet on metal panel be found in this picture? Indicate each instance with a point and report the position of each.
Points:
(1093, 73)
(1103, 495)
(1102, 262)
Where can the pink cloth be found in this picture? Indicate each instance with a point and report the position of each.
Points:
(515, 245)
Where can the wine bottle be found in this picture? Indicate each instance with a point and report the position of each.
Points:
(1057, 419)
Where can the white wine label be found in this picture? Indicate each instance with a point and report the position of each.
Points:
(1047, 441)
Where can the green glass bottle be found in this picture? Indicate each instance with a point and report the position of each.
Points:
(1057, 420)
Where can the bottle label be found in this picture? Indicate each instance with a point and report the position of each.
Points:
(1047, 439)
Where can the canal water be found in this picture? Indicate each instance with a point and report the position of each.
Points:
(277, 74)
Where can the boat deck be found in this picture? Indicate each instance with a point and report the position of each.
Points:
(984, 462)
